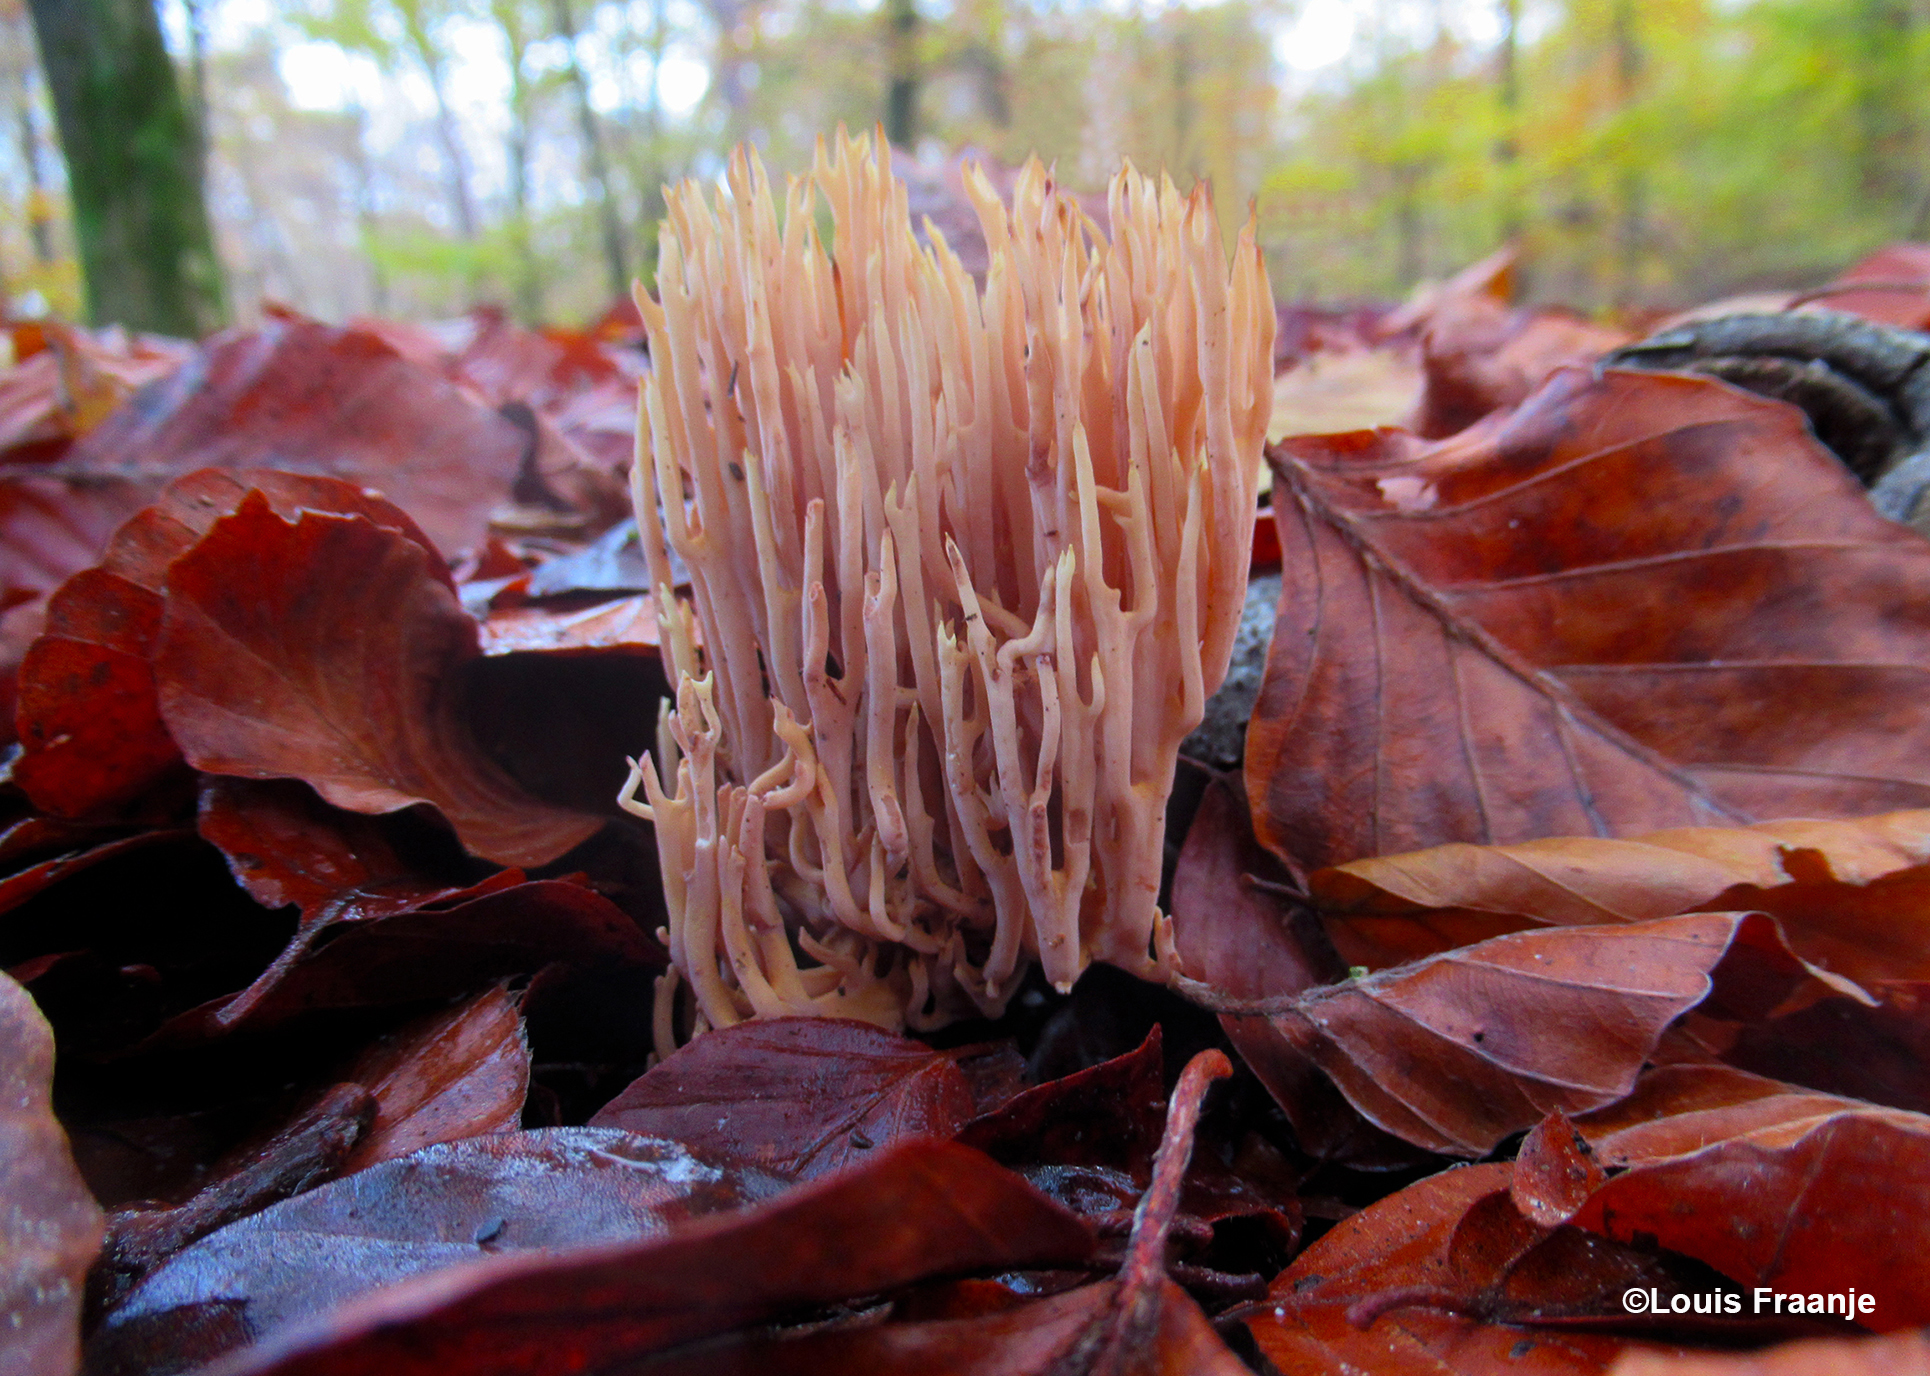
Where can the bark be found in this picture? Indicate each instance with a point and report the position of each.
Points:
(146, 248)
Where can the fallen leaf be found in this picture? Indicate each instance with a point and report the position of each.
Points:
(285, 846)
(1429, 1279)
(1555, 1172)
(50, 1226)
(1597, 616)
(1106, 1115)
(628, 624)
(1240, 932)
(1353, 389)
(1681, 1108)
(1898, 292)
(338, 402)
(446, 1205)
(1456, 1052)
(1806, 1205)
(332, 659)
(93, 740)
(1141, 1324)
(1049, 1337)
(915, 1210)
(1843, 891)
(795, 1096)
(446, 1076)
(70, 383)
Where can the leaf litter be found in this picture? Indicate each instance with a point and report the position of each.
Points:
(1579, 840)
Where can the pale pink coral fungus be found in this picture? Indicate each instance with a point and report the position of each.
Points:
(965, 566)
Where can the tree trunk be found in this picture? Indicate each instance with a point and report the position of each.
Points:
(901, 96)
(146, 248)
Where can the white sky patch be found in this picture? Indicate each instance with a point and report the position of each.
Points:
(1319, 35)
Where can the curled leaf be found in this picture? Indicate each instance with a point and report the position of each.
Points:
(325, 649)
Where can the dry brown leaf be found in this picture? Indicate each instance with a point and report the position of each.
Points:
(1456, 1052)
(1641, 601)
(1846, 892)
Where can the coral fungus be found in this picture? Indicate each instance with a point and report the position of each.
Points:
(964, 564)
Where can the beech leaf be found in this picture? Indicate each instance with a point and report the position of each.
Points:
(1456, 1052)
(89, 721)
(795, 1096)
(326, 649)
(1601, 615)
(450, 1075)
(333, 401)
(1425, 1280)
(1845, 892)
(443, 1206)
(914, 1210)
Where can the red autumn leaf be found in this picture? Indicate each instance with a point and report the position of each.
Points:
(1049, 1337)
(1599, 616)
(1843, 891)
(1456, 1052)
(1479, 354)
(1430, 1278)
(1780, 1197)
(286, 846)
(1683, 1107)
(1106, 1115)
(1245, 941)
(441, 1207)
(1141, 1324)
(1898, 292)
(90, 725)
(915, 1210)
(627, 625)
(70, 381)
(24, 883)
(50, 529)
(446, 1076)
(503, 926)
(337, 402)
(1555, 1172)
(326, 649)
(50, 1226)
(795, 1096)
(1893, 1354)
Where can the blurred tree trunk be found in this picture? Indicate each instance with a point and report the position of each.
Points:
(901, 96)
(596, 167)
(146, 248)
